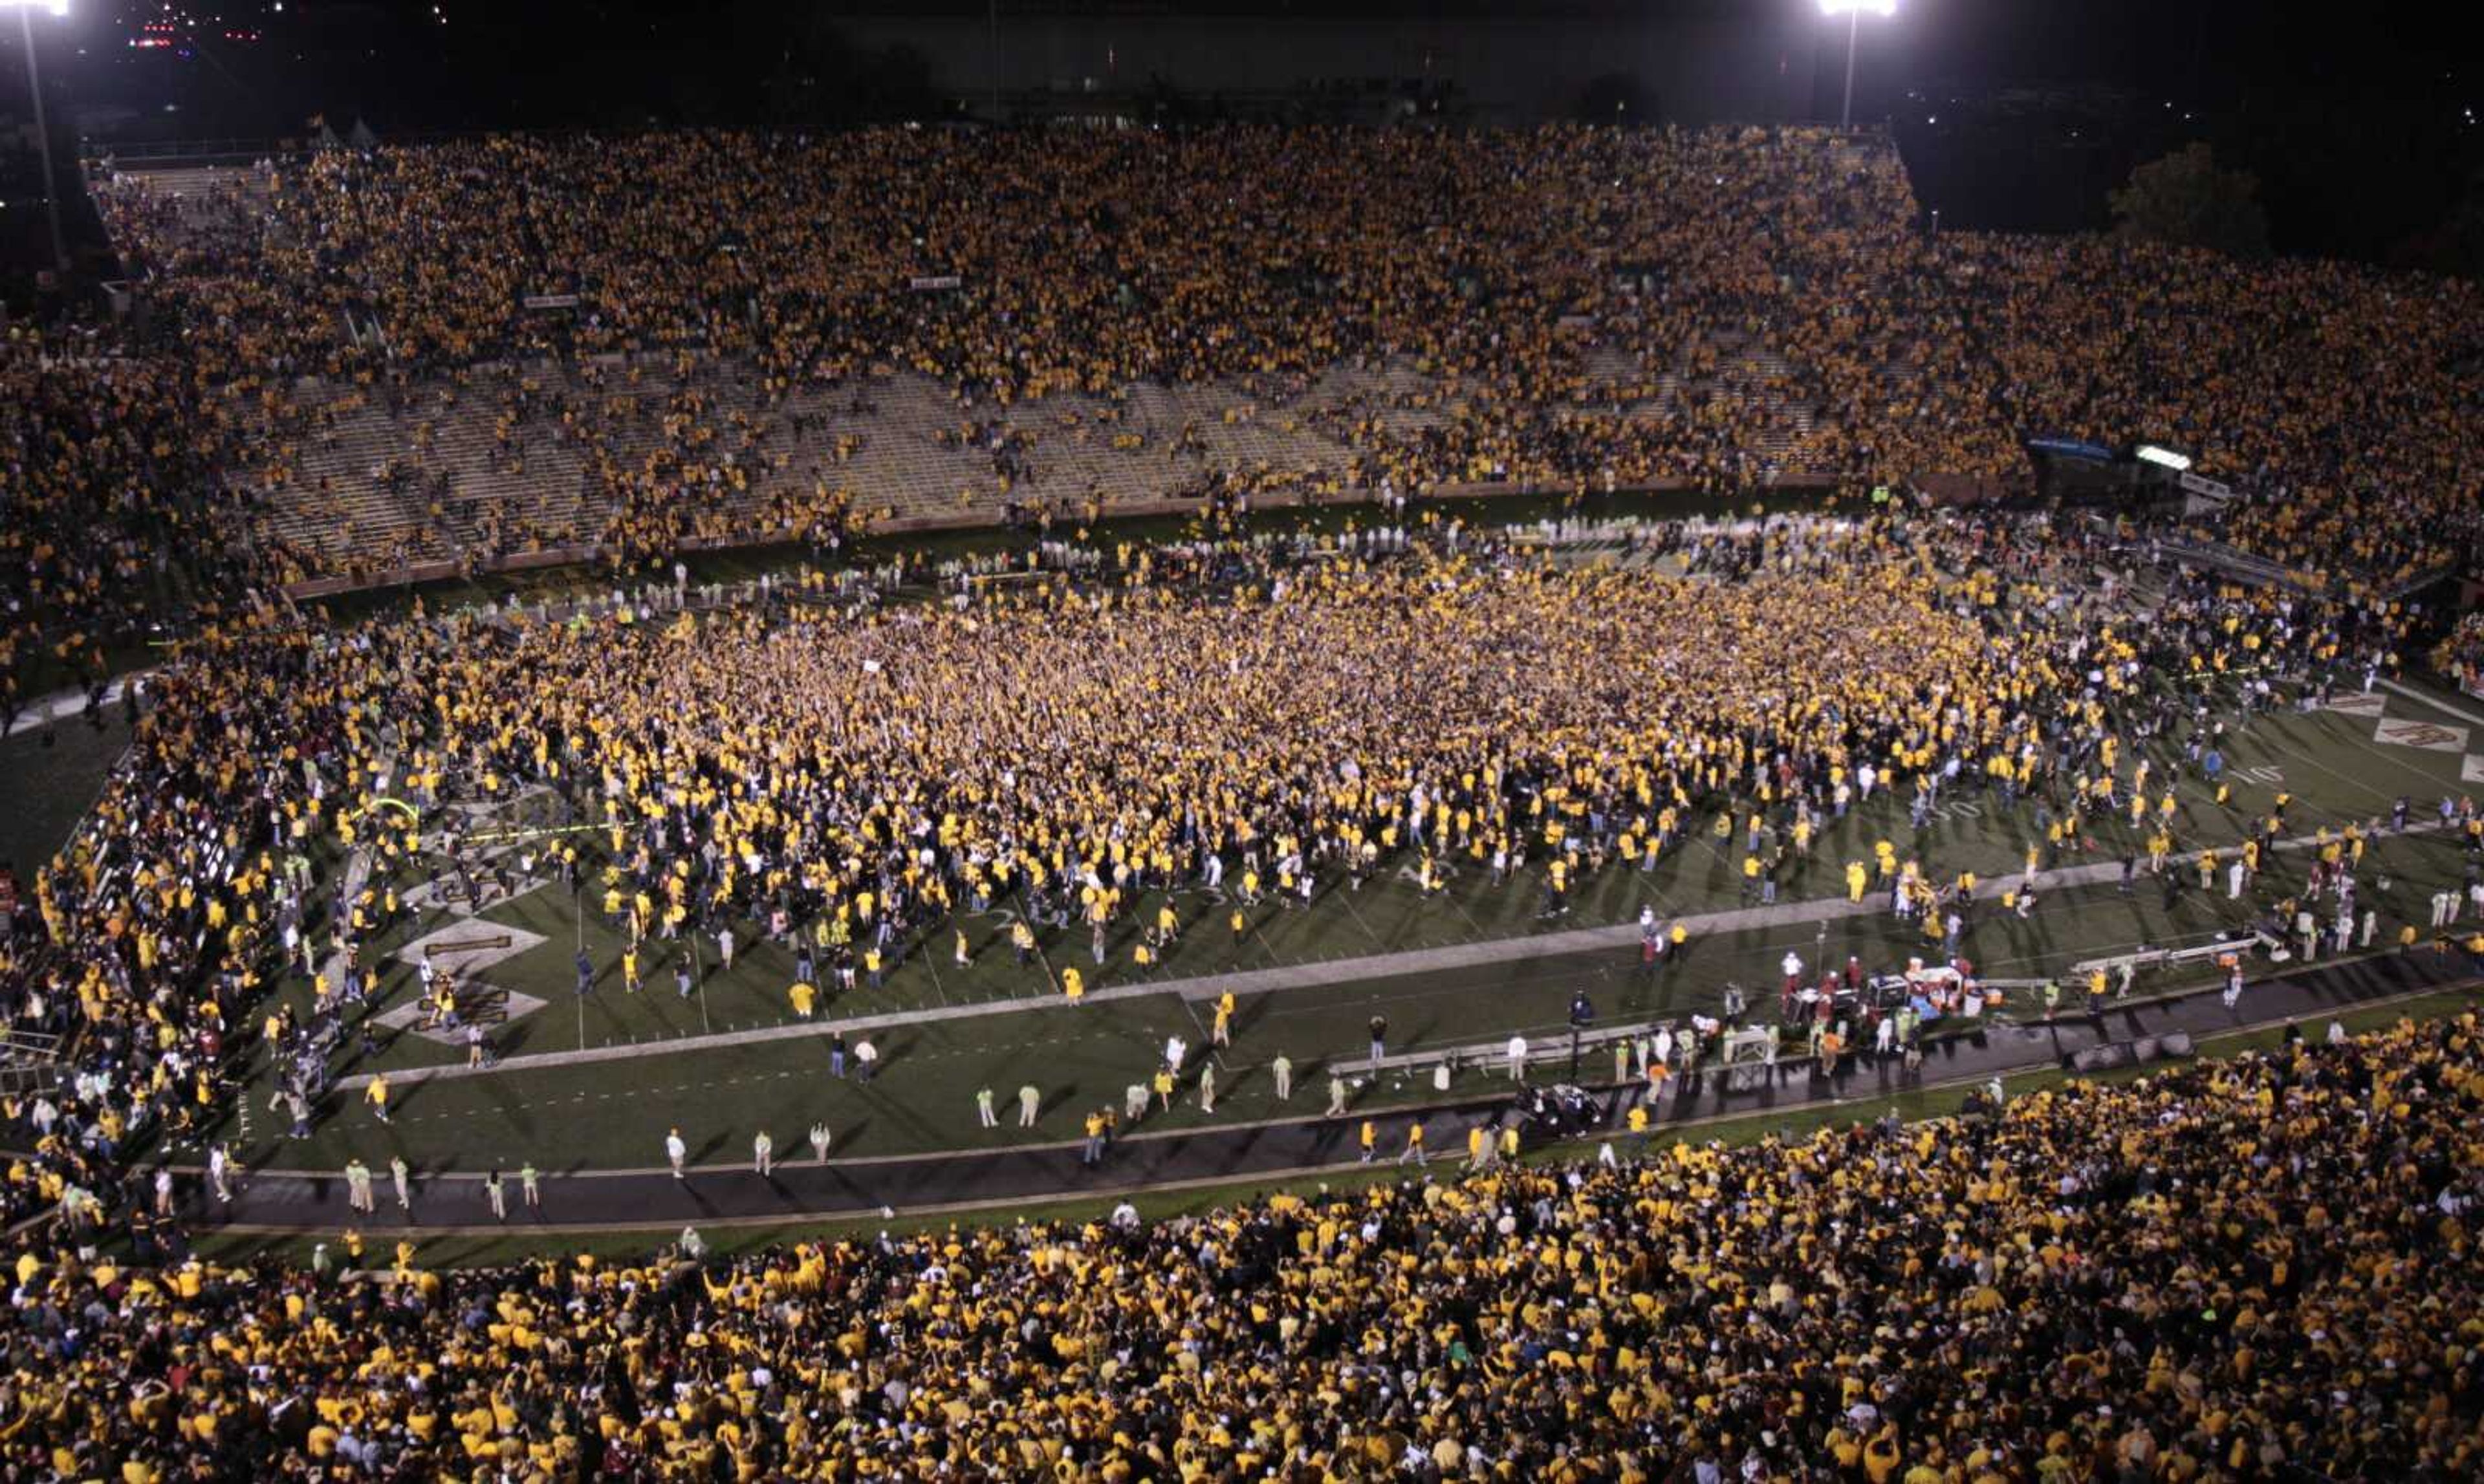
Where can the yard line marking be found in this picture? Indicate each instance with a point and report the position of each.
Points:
(1344, 970)
(1462, 910)
(1356, 913)
(930, 966)
(2378, 755)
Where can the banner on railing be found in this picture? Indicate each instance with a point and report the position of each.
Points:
(2071, 449)
(933, 283)
(551, 301)
(2204, 487)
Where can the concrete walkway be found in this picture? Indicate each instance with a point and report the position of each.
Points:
(1619, 936)
(727, 1195)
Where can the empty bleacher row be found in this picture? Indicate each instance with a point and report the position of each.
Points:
(433, 474)
(202, 197)
(377, 467)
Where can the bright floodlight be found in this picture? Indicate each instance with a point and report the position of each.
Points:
(26, 9)
(2152, 454)
(1853, 11)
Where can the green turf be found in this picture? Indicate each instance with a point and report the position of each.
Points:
(612, 1115)
(46, 788)
(635, 1243)
(1389, 915)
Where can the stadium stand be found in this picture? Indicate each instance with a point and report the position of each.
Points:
(2255, 1269)
(365, 365)
(1724, 307)
(1556, 333)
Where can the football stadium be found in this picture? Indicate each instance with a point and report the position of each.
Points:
(930, 767)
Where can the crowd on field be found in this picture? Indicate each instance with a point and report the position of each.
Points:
(1280, 723)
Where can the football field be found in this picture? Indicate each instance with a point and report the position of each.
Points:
(593, 1081)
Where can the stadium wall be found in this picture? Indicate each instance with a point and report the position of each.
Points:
(580, 555)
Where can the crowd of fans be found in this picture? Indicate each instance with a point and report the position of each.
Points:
(1294, 249)
(1063, 290)
(1098, 744)
(798, 259)
(2338, 399)
(1539, 288)
(1281, 722)
(2259, 1266)
(2460, 654)
(113, 509)
(2258, 1269)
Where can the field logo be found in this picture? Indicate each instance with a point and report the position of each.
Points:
(2425, 734)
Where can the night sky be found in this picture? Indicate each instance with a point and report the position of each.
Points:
(2013, 113)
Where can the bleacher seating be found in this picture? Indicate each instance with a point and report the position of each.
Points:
(396, 464)
(1610, 313)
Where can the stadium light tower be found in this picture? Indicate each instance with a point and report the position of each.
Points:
(26, 9)
(1853, 11)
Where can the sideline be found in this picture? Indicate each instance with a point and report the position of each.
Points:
(1667, 1132)
(1249, 981)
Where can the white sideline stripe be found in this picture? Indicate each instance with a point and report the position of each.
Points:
(1300, 975)
(2435, 702)
(1679, 1129)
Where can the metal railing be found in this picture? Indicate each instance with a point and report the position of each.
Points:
(1546, 1044)
(30, 1062)
(141, 154)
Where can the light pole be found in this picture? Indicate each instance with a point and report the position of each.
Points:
(1852, 11)
(25, 10)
